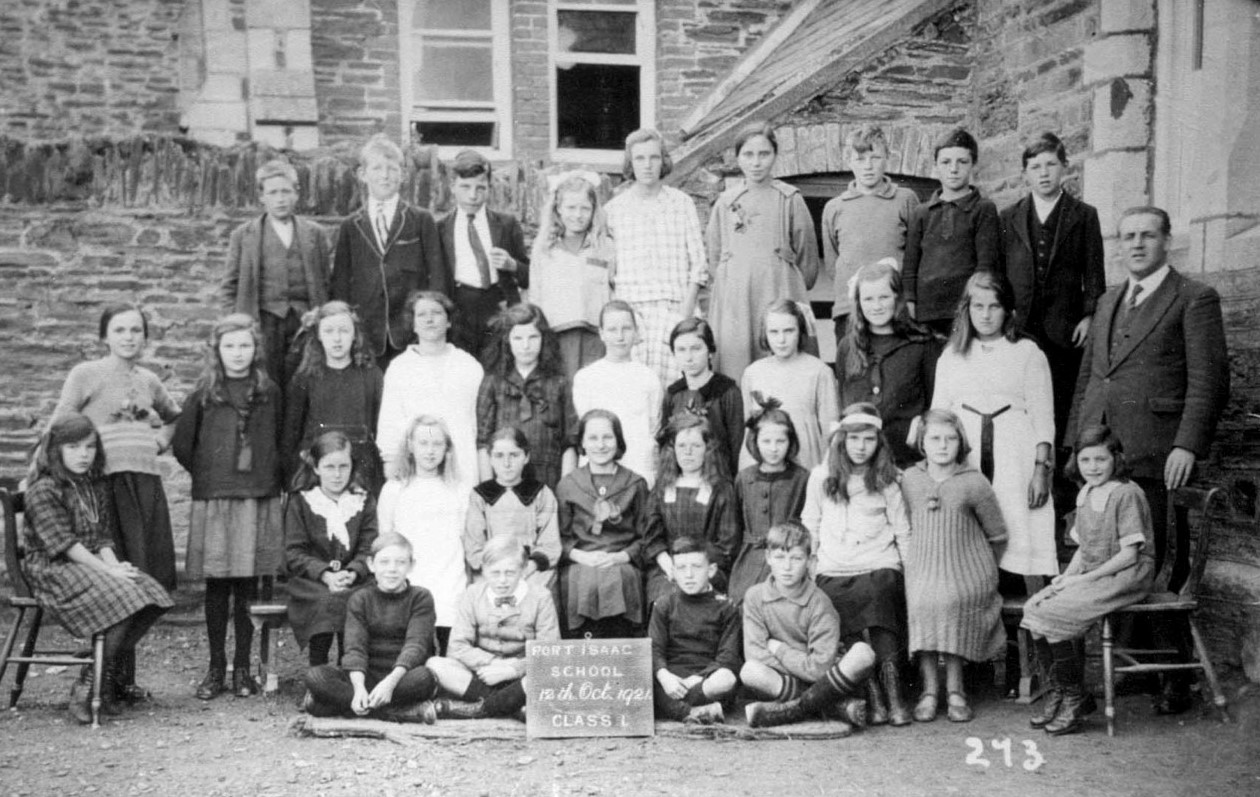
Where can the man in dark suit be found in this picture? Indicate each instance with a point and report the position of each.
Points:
(277, 267)
(484, 251)
(1053, 251)
(385, 251)
(1156, 371)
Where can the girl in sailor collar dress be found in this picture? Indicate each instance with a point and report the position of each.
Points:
(328, 534)
(603, 507)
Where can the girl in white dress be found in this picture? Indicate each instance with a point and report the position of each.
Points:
(431, 377)
(999, 385)
(425, 501)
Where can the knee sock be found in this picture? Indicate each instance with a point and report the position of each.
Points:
(696, 696)
(477, 690)
(243, 593)
(844, 678)
(506, 700)
(442, 636)
(789, 690)
(318, 647)
(1066, 667)
(218, 597)
(885, 644)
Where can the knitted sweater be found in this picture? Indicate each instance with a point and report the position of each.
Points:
(385, 630)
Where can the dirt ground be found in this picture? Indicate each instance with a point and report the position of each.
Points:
(178, 745)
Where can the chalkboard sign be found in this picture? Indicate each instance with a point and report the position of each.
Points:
(589, 687)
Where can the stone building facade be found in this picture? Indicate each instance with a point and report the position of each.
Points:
(130, 130)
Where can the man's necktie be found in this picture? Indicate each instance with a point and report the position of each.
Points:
(479, 252)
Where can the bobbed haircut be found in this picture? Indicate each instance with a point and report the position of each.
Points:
(437, 297)
(749, 132)
(67, 430)
(470, 163)
(694, 326)
(381, 146)
(392, 539)
(112, 310)
(944, 418)
(784, 307)
(1165, 223)
(964, 333)
(958, 137)
(513, 435)
(866, 138)
(327, 443)
(642, 136)
(788, 535)
(1046, 142)
(503, 548)
(276, 168)
(1099, 435)
(606, 415)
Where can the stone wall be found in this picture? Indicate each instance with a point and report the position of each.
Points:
(354, 47)
(88, 67)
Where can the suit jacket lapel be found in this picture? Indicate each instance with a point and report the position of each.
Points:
(1020, 218)
(364, 226)
(1069, 217)
(1149, 315)
(395, 225)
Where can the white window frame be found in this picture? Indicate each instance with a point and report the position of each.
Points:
(644, 58)
(499, 111)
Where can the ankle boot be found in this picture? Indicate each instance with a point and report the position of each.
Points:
(765, 715)
(1053, 696)
(81, 697)
(898, 712)
(876, 710)
(1070, 718)
(710, 714)
(459, 709)
(422, 712)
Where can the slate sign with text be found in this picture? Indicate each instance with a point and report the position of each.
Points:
(589, 687)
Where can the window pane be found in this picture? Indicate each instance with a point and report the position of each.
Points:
(596, 32)
(452, 14)
(457, 134)
(455, 72)
(597, 105)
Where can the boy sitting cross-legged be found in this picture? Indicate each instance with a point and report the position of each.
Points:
(792, 639)
(388, 637)
(485, 665)
(695, 640)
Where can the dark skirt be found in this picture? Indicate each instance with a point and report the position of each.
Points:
(144, 525)
(750, 568)
(314, 609)
(868, 600)
(593, 593)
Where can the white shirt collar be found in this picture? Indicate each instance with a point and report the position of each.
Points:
(390, 205)
(1150, 283)
(1045, 207)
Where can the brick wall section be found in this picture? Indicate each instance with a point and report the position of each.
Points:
(93, 67)
(354, 46)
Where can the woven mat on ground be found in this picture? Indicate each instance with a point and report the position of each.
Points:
(507, 729)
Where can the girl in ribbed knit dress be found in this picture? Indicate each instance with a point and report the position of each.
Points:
(952, 599)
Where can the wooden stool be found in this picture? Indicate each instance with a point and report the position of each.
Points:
(266, 617)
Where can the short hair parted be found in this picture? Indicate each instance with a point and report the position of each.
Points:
(764, 129)
(392, 539)
(694, 326)
(513, 434)
(944, 418)
(470, 163)
(437, 297)
(964, 333)
(276, 168)
(1099, 435)
(67, 430)
(112, 310)
(1165, 223)
(866, 139)
(784, 307)
(1046, 142)
(788, 535)
(382, 146)
(958, 137)
(686, 544)
(503, 547)
(642, 136)
(613, 420)
(617, 306)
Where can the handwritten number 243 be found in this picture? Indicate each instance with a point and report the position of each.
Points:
(1032, 756)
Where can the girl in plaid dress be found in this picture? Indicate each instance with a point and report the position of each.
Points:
(228, 440)
(70, 562)
(525, 387)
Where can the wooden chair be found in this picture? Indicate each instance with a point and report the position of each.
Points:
(1178, 606)
(266, 617)
(22, 602)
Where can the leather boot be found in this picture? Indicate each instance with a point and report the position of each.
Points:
(898, 711)
(1070, 718)
(459, 709)
(420, 713)
(765, 715)
(710, 714)
(876, 710)
(81, 697)
(1053, 697)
